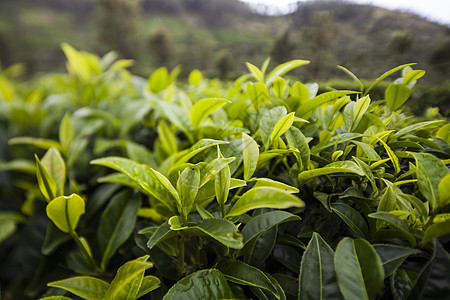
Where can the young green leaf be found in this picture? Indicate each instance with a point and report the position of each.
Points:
(256, 72)
(444, 190)
(386, 74)
(159, 80)
(222, 182)
(317, 279)
(128, 280)
(260, 182)
(430, 171)
(360, 108)
(187, 187)
(297, 140)
(86, 287)
(336, 167)
(413, 76)
(283, 69)
(281, 126)
(45, 181)
(65, 212)
(149, 283)
(66, 133)
(396, 95)
(305, 109)
(205, 107)
(55, 166)
(264, 197)
(359, 269)
(270, 117)
(250, 155)
(142, 175)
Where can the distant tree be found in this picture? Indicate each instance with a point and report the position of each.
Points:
(317, 38)
(399, 44)
(162, 46)
(118, 22)
(225, 63)
(283, 48)
(5, 52)
(440, 58)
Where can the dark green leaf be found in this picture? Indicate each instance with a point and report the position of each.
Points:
(205, 284)
(359, 269)
(241, 273)
(317, 279)
(392, 256)
(352, 218)
(117, 223)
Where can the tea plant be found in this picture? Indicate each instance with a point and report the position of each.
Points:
(259, 188)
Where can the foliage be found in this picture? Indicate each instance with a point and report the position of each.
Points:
(116, 186)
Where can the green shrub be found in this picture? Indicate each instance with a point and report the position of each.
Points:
(119, 187)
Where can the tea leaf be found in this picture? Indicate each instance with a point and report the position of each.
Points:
(261, 182)
(149, 283)
(65, 212)
(45, 181)
(283, 69)
(256, 72)
(297, 140)
(116, 224)
(259, 224)
(187, 187)
(159, 80)
(128, 280)
(222, 231)
(352, 218)
(264, 197)
(430, 172)
(305, 108)
(317, 279)
(250, 155)
(413, 76)
(281, 126)
(360, 108)
(436, 230)
(397, 223)
(241, 273)
(141, 174)
(86, 287)
(336, 167)
(205, 284)
(205, 107)
(359, 269)
(386, 74)
(396, 95)
(55, 166)
(392, 256)
(444, 190)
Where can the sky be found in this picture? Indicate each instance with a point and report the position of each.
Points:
(434, 10)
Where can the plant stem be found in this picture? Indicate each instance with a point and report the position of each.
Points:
(83, 250)
(181, 268)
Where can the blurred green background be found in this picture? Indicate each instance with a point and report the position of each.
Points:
(218, 37)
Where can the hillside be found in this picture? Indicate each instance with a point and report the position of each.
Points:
(364, 38)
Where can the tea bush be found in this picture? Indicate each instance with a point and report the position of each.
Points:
(118, 187)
